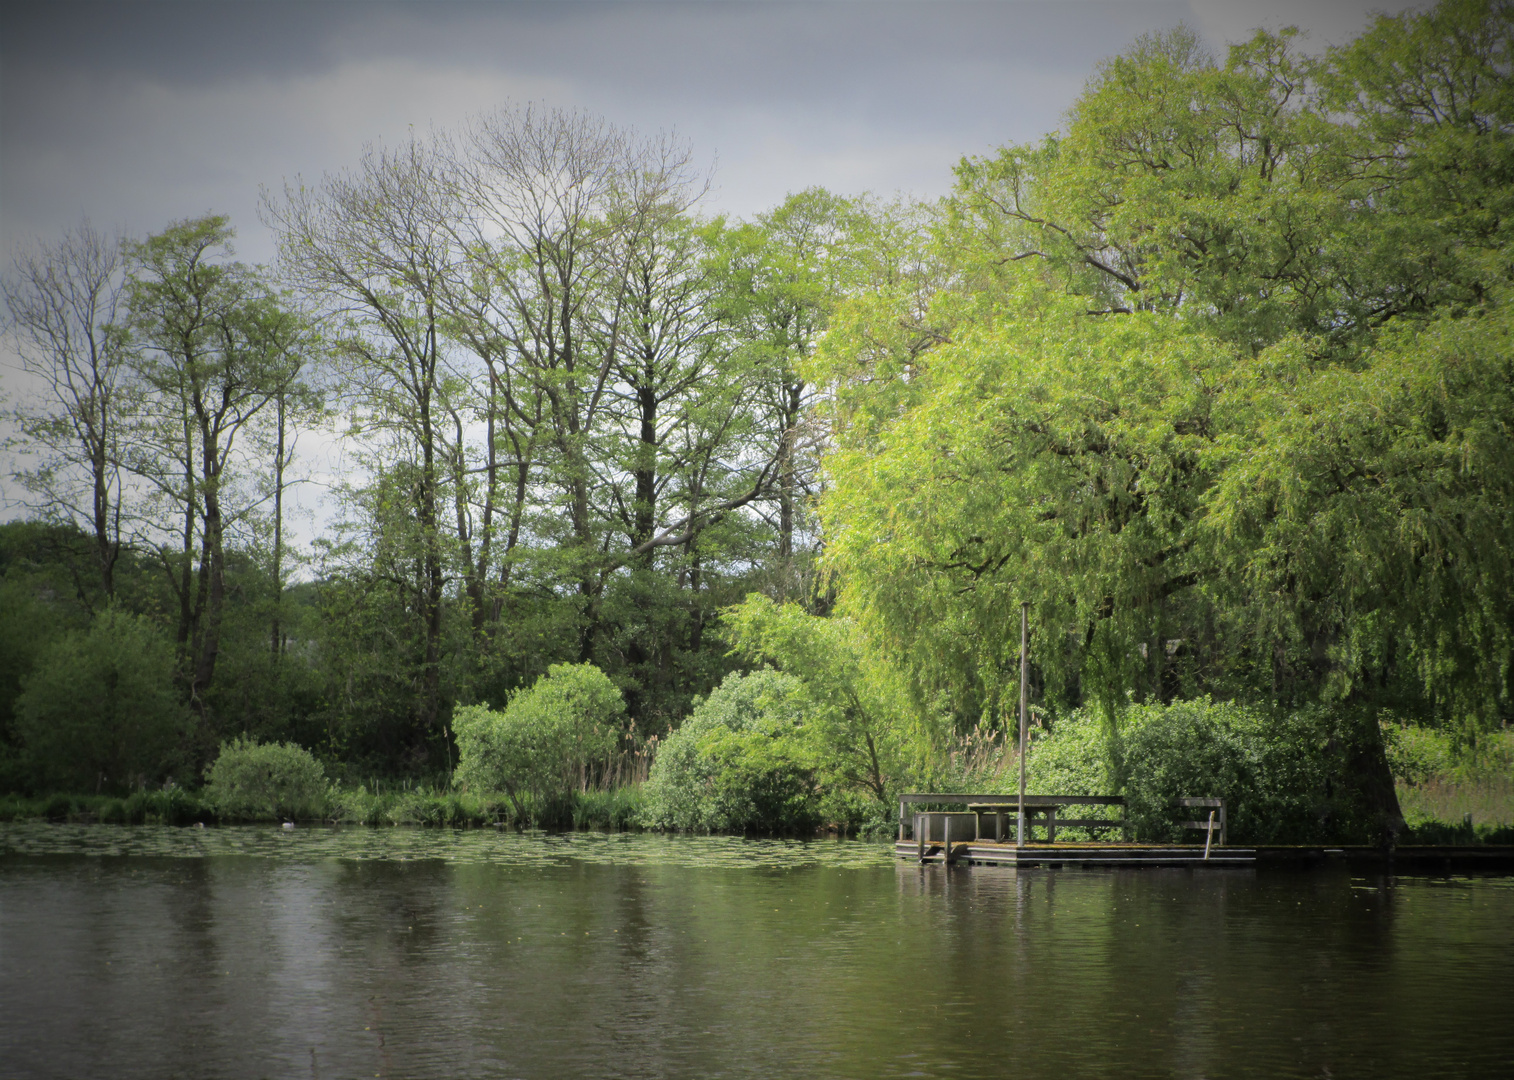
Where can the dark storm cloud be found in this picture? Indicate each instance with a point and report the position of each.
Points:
(143, 112)
(781, 49)
(178, 43)
(137, 114)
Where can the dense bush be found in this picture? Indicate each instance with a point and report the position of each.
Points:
(27, 625)
(1284, 775)
(1281, 774)
(546, 742)
(1074, 758)
(99, 711)
(1417, 754)
(262, 780)
(738, 763)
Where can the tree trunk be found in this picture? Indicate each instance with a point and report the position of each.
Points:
(276, 642)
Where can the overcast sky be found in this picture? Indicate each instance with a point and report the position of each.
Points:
(137, 114)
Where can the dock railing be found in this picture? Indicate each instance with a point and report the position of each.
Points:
(1214, 825)
(1041, 811)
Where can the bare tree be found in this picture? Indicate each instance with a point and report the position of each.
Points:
(64, 306)
(376, 245)
(560, 202)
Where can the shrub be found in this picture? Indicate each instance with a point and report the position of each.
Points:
(1071, 759)
(1283, 775)
(545, 743)
(99, 710)
(113, 812)
(1417, 754)
(739, 762)
(262, 780)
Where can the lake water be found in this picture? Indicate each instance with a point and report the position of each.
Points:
(251, 952)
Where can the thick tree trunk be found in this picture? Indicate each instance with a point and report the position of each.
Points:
(1368, 769)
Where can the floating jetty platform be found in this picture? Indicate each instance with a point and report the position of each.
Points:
(1093, 854)
(1406, 859)
(981, 833)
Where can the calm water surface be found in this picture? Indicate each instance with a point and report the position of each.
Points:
(250, 952)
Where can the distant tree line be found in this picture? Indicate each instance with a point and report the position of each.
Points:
(573, 414)
(1218, 379)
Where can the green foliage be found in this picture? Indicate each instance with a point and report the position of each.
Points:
(27, 625)
(858, 716)
(1221, 386)
(740, 762)
(609, 809)
(165, 806)
(99, 710)
(1074, 758)
(1418, 754)
(252, 780)
(1053, 459)
(547, 741)
(1284, 777)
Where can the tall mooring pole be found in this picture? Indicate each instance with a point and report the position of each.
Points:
(1024, 636)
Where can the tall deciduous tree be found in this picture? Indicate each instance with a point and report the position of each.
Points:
(785, 273)
(377, 245)
(214, 349)
(64, 304)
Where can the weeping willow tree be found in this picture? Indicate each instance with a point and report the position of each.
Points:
(1187, 394)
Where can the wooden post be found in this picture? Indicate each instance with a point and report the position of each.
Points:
(1024, 636)
(901, 820)
(919, 839)
(1208, 835)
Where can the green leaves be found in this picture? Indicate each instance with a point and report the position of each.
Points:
(99, 710)
(1053, 459)
(742, 760)
(546, 739)
(260, 780)
(1223, 392)
(860, 721)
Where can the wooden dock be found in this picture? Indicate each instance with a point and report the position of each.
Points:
(1096, 854)
(981, 832)
(1360, 858)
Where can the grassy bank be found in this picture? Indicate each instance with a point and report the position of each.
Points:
(618, 808)
(1443, 810)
